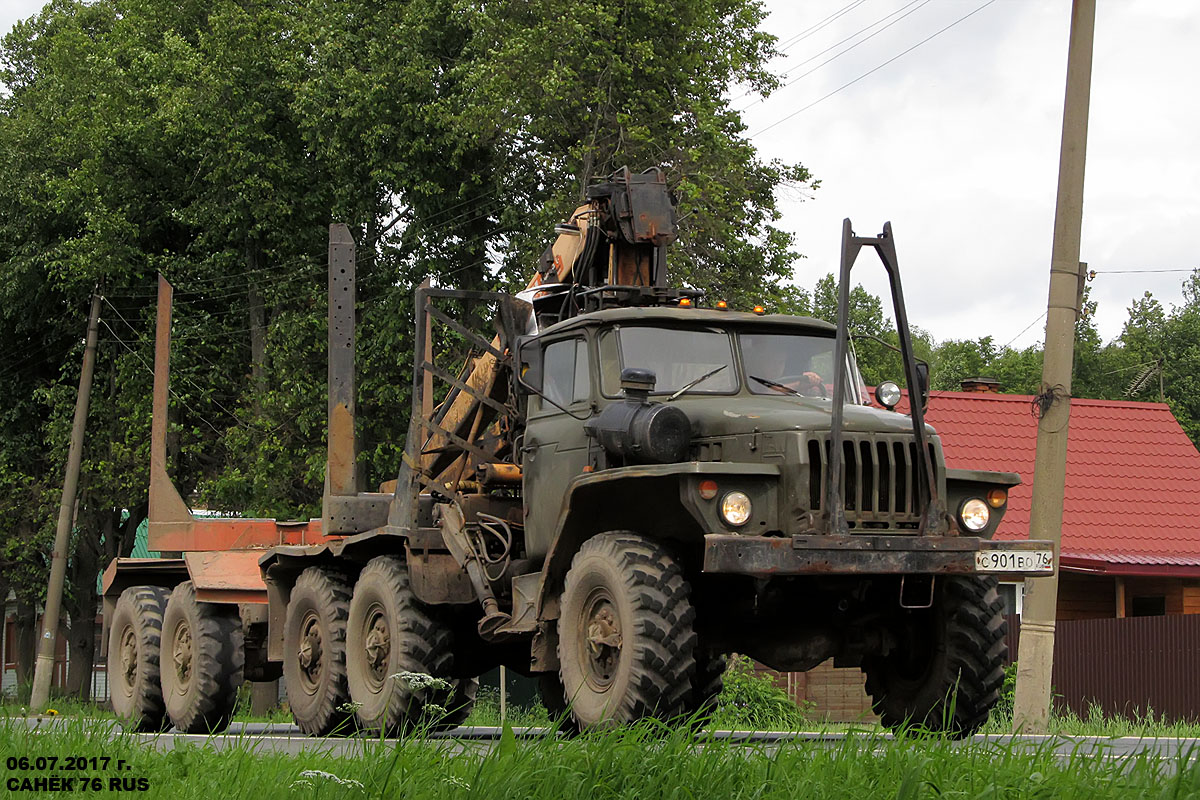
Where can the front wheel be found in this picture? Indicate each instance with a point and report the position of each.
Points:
(945, 674)
(626, 640)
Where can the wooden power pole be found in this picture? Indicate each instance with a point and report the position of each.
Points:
(1031, 711)
(44, 668)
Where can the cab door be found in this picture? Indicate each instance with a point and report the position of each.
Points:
(555, 450)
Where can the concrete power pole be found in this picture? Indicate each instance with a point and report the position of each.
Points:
(44, 669)
(1031, 712)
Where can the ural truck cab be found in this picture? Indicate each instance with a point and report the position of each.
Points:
(704, 436)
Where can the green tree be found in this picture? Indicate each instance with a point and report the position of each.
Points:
(579, 90)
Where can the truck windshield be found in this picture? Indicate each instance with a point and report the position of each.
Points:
(788, 363)
(676, 356)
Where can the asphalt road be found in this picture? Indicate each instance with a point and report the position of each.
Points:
(286, 738)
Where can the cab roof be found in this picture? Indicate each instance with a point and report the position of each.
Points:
(660, 315)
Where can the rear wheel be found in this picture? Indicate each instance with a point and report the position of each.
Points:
(202, 661)
(134, 645)
(946, 672)
(314, 664)
(399, 656)
(626, 645)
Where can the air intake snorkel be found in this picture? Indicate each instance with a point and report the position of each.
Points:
(638, 431)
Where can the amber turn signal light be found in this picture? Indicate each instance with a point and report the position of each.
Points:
(997, 497)
(708, 489)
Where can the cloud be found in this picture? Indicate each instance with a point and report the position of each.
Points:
(957, 144)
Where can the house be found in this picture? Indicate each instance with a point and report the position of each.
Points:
(1131, 509)
(1131, 517)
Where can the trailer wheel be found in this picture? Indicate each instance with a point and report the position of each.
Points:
(202, 660)
(398, 656)
(134, 643)
(314, 664)
(945, 674)
(626, 644)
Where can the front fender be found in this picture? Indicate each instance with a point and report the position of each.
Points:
(659, 501)
(963, 484)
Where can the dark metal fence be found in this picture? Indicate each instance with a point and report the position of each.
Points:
(1126, 667)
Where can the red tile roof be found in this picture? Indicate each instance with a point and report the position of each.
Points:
(1132, 501)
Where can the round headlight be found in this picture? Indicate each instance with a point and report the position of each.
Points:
(974, 514)
(887, 394)
(735, 508)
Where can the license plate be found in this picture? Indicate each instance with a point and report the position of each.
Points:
(1014, 561)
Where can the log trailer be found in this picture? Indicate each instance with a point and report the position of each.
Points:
(617, 488)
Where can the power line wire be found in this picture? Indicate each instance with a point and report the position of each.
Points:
(807, 32)
(1139, 271)
(871, 71)
(836, 56)
(150, 369)
(1022, 333)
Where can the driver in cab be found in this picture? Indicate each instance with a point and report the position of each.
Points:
(777, 368)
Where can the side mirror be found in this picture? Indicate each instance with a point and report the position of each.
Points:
(529, 366)
(923, 380)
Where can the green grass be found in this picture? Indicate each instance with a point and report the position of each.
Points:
(643, 762)
(749, 702)
(1143, 726)
(487, 712)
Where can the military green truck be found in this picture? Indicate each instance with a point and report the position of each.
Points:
(616, 487)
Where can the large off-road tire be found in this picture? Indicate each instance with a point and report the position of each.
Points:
(626, 644)
(394, 646)
(945, 675)
(202, 658)
(134, 644)
(314, 654)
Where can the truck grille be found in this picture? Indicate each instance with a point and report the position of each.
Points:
(879, 487)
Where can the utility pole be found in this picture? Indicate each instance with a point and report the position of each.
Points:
(44, 668)
(1031, 711)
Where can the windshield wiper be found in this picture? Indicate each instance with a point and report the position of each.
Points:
(696, 382)
(775, 385)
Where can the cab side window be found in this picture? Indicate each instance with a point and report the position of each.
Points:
(566, 373)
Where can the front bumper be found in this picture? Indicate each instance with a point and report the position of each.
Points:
(802, 554)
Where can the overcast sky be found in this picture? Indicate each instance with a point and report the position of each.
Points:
(956, 142)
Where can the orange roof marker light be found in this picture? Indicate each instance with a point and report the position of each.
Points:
(685, 301)
(759, 310)
(721, 304)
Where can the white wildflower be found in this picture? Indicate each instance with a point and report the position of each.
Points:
(329, 776)
(457, 783)
(416, 681)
